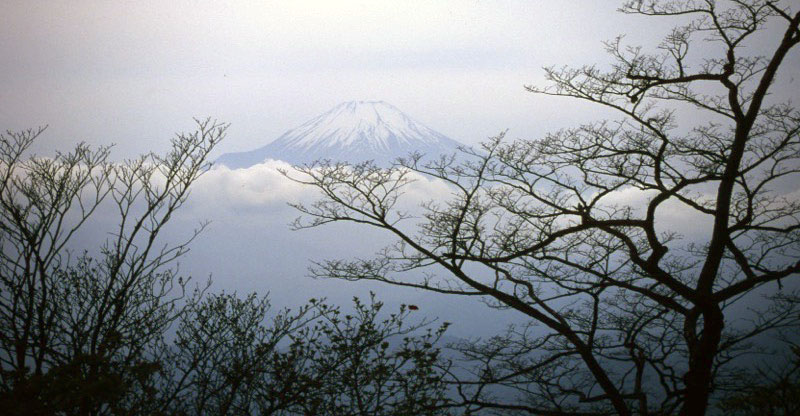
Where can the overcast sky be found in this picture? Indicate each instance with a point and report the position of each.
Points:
(132, 73)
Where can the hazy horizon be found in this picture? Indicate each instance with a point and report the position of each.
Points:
(133, 74)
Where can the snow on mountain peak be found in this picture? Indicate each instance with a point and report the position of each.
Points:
(351, 131)
(373, 123)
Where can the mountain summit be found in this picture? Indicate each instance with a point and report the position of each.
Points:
(354, 131)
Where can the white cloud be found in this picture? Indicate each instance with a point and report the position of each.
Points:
(262, 193)
(263, 186)
(671, 216)
(259, 185)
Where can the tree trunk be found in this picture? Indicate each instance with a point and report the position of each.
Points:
(702, 350)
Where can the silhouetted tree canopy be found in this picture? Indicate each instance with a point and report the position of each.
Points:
(626, 316)
(121, 333)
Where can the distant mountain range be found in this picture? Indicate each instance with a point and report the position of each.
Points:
(354, 131)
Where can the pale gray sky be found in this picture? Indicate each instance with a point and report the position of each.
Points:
(132, 73)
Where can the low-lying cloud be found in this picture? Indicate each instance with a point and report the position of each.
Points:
(250, 246)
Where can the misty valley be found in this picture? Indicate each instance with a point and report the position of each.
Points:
(626, 242)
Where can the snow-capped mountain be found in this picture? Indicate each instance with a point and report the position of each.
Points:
(354, 131)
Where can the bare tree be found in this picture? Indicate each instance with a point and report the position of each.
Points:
(232, 358)
(632, 317)
(78, 333)
(771, 389)
(119, 332)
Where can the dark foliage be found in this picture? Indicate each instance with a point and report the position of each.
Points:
(120, 333)
(626, 315)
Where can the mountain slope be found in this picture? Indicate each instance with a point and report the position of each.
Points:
(353, 131)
